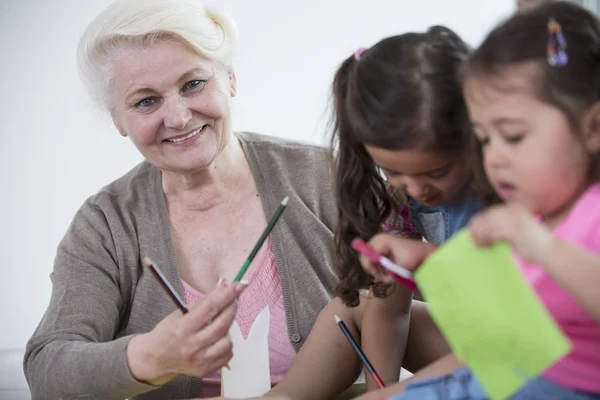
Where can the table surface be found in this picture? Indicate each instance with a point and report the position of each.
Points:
(353, 392)
(24, 394)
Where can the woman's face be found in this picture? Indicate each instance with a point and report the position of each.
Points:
(430, 178)
(174, 104)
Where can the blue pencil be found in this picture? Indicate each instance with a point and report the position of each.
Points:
(359, 351)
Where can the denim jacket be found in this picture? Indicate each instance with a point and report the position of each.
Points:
(439, 223)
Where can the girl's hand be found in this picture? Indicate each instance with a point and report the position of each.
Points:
(513, 224)
(407, 253)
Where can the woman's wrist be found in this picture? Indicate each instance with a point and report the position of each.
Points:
(143, 363)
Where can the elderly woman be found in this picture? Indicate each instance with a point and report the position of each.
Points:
(196, 206)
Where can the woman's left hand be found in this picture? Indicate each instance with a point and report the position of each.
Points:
(512, 223)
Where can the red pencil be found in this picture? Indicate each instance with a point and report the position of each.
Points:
(165, 284)
(402, 275)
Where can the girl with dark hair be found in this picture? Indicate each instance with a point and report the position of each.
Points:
(401, 144)
(401, 140)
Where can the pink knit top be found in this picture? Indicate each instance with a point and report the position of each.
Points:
(263, 290)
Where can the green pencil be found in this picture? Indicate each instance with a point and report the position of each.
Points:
(262, 239)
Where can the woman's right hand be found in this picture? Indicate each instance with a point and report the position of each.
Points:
(194, 344)
(407, 253)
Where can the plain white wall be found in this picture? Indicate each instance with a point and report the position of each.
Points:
(56, 150)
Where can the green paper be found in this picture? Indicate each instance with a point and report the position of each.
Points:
(491, 318)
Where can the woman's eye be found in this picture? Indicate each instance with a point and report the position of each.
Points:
(197, 83)
(145, 103)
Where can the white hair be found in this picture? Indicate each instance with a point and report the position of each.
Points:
(208, 30)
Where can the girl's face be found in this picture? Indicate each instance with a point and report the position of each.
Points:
(531, 154)
(431, 178)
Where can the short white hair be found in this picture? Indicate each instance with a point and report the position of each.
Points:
(208, 30)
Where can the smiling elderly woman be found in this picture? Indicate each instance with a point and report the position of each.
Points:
(196, 206)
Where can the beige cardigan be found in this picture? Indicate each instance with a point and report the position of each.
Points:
(101, 295)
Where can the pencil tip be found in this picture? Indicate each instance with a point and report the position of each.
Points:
(337, 319)
(147, 262)
(285, 201)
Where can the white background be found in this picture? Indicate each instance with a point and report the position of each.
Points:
(56, 150)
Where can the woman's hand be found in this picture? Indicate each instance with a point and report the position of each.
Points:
(194, 344)
(407, 253)
(513, 224)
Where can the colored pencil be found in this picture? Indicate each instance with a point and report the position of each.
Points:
(262, 239)
(402, 275)
(146, 261)
(359, 351)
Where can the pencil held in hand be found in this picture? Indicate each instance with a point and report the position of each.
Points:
(402, 275)
(162, 279)
(262, 239)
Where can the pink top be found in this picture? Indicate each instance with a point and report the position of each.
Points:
(399, 222)
(263, 290)
(580, 369)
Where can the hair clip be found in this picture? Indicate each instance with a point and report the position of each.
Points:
(556, 48)
(358, 54)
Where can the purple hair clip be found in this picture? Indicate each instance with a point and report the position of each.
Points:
(556, 48)
(358, 53)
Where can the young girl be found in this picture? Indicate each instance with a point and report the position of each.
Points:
(400, 135)
(400, 122)
(534, 103)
